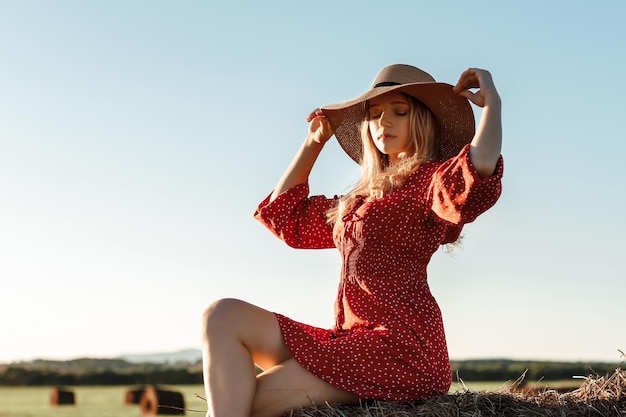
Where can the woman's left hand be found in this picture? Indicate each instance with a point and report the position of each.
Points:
(477, 78)
(487, 141)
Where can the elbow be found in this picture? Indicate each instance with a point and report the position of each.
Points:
(485, 162)
(485, 159)
(485, 170)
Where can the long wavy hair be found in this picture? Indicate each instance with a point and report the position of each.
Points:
(378, 176)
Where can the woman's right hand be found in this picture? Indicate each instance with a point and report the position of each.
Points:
(300, 168)
(320, 130)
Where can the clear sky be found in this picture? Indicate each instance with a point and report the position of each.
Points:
(137, 138)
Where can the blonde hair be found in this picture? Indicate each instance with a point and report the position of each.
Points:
(378, 177)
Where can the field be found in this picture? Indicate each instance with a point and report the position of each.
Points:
(96, 401)
(108, 401)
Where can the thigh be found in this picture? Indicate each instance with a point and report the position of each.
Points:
(289, 385)
(256, 328)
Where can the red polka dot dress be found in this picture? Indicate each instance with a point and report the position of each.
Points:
(388, 341)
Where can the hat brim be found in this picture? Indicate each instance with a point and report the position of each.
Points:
(452, 111)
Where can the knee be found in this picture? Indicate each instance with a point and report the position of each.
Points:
(220, 316)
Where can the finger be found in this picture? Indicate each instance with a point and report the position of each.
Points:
(467, 94)
(475, 98)
(468, 79)
(315, 113)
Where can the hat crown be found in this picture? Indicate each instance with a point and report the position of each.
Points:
(401, 74)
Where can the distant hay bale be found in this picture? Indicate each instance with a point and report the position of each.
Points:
(62, 396)
(133, 395)
(156, 401)
(597, 396)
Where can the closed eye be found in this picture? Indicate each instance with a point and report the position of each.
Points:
(376, 115)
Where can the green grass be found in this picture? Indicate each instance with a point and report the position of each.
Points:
(99, 401)
(477, 386)
(493, 386)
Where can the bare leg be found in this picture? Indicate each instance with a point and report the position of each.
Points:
(289, 385)
(236, 336)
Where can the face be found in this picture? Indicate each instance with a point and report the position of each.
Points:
(388, 121)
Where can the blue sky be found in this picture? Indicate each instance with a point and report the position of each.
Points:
(137, 138)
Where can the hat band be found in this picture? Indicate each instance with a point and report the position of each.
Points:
(386, 84)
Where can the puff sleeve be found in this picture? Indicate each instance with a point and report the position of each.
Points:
(458, 195)
(297, 219)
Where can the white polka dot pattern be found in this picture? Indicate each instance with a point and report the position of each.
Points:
(388, 342)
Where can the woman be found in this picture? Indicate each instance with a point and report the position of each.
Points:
(425, 174)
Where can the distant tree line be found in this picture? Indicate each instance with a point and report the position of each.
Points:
(89, 371)
(16, 376)
(119, 372)
(511, 370)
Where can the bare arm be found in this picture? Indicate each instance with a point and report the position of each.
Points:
(301, 165)
(487, 142)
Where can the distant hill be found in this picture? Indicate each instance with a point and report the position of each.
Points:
(182, 356)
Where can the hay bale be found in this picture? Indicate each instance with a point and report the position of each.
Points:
(156, 401)
(133, 395)
(598, 396)
(62, 396)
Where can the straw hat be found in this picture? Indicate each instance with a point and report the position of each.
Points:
(453, 112)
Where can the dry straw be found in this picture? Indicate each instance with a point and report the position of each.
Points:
(597, 396)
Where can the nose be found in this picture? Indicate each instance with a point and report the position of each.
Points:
(384, 120)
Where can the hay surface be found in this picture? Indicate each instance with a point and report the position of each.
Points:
(597, 396)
